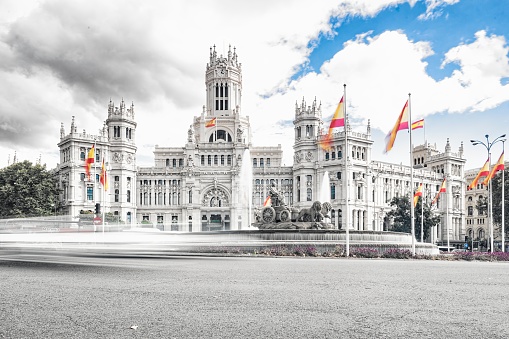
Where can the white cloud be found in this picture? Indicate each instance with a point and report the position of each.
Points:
(66, 58)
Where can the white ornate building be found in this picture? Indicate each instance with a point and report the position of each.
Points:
(218, 178)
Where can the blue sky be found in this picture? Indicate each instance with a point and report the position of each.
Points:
(60, 59)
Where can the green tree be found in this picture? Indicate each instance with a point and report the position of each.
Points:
(27, 190)
(401, 217)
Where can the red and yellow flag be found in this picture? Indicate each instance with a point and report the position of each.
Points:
(484, 172)
(441, 190)
(268, 202)
(499, 166)
(418, 124)
(210, 123)
(417, 194)
(103, 179)
(338, 120)
(401, 123)
(89, 161)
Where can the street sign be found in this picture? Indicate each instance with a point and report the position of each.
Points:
(98, 221)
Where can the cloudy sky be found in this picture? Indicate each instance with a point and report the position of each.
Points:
(61, 58)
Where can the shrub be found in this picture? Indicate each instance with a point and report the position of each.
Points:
(397, 253)
(364, 252)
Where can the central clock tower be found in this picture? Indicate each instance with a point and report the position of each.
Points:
(224, 84)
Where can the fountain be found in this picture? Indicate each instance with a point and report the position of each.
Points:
(325, 188)
(246, 188)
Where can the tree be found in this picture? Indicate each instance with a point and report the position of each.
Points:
(401, 217)
(27, 190)
(496, 188)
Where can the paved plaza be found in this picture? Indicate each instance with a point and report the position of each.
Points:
(49, 295)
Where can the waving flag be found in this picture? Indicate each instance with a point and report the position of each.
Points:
(103, 179)
(417, 194)
(418, 124)
(89, 161)
(210, 123)
(484, 172)
(401, 123)
(338, 120)
(441, 190)
(499, 166)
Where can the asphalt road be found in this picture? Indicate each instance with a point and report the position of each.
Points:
(48, 296)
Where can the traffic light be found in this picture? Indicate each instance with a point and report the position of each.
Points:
(98, 208)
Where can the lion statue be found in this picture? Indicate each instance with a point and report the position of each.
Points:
(326, 208)
(311, 214)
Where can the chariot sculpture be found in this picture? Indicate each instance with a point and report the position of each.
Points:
(278, 215)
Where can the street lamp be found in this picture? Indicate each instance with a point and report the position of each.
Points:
(374, 178)
(488, 146)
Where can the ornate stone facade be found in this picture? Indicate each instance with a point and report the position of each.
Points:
(202, 186)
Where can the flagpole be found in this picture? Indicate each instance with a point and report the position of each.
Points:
(447, 216)
(412, 217)
(94, 182)
(422, 215)
(104, 189)
(347, 176)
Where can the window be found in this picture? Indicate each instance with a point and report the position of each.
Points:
(470, 211)
(268, 162)
(190, 196)
(203, 160)
(229, 160)
(338, 175)
(82, 176)
(222, 159)
(82, 154)
(174, 161)
(97, 177)
(333, 192)
(309, 195)
(209, 160)
(261, 162)
(90, 193)
(117, 194)
(326, 155)
(128, 196)
(255, 162)
(215, 159)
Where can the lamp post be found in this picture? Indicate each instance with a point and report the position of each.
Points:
(373, 181)
(488, 146)
(503, 200)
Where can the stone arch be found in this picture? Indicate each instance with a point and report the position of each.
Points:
(216, 197)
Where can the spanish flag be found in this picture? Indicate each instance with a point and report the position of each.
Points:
(338, 120)
(417, 124)
(441, 190)
(103, 179)
(484, 172)
(210, 123)
(268, 202)
(401, 123)
(499, 166)
(89, 161)
(417, 194)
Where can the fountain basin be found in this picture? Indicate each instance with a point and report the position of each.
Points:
(320, 239)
